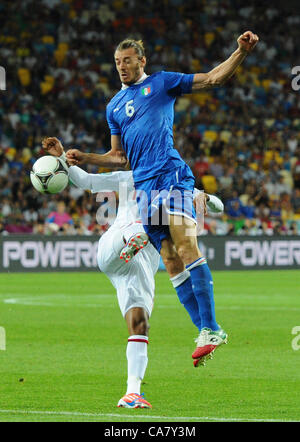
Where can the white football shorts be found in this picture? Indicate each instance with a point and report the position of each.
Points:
(133, 281)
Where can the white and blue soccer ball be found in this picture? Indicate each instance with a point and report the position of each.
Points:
(49, 175)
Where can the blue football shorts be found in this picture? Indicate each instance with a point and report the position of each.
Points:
(170, 193)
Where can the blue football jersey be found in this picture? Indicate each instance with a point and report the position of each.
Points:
(143, 116)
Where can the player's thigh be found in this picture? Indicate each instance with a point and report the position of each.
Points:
(108, 256)
(183, 231)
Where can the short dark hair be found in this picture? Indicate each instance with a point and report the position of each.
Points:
(138, 45)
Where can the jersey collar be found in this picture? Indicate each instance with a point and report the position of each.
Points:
(143, 77)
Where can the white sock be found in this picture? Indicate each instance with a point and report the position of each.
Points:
(137, 359)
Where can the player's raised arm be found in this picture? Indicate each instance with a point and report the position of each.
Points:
(115, 158)
(221, 73)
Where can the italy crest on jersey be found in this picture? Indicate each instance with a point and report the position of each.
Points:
(146, 90)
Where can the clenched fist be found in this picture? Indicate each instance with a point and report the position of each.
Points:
(53, 146)
(75, 156)
(247, 41)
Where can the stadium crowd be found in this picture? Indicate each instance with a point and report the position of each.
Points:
(242, 140)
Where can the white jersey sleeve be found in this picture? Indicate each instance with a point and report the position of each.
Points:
(100, 182)
(121, 182)
(214, 204)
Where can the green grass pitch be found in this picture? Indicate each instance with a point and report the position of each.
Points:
(66, 339)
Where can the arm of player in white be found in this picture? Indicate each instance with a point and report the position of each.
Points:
(213, 203)
(99, 182)
(108, 182)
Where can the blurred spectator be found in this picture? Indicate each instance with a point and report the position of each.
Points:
(59, 220)
(248, 209)
(295, 200)
(201, 166)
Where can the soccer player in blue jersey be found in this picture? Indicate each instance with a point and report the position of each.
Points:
(140, 117)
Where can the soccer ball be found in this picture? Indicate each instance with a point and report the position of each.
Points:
(49, 175)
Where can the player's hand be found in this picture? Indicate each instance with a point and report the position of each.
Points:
(247, 41)
(200, 203)
(119, 159)
(53, 146)
(75, 156)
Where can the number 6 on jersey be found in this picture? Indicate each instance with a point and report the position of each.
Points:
(129, 109)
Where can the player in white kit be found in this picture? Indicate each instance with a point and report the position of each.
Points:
(133, 279)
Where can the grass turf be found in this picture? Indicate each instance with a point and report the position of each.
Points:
(66, 339)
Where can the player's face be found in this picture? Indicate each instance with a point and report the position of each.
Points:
(129, 65)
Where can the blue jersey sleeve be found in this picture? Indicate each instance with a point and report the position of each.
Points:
(177, 83)
(113, 126)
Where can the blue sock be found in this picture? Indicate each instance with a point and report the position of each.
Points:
(183, 286)
(204, 293)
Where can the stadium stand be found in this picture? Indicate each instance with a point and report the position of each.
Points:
(242, 140)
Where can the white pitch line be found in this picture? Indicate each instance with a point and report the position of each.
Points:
(61, 299)
(49, 304)
(38, 301)
(138, 416)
